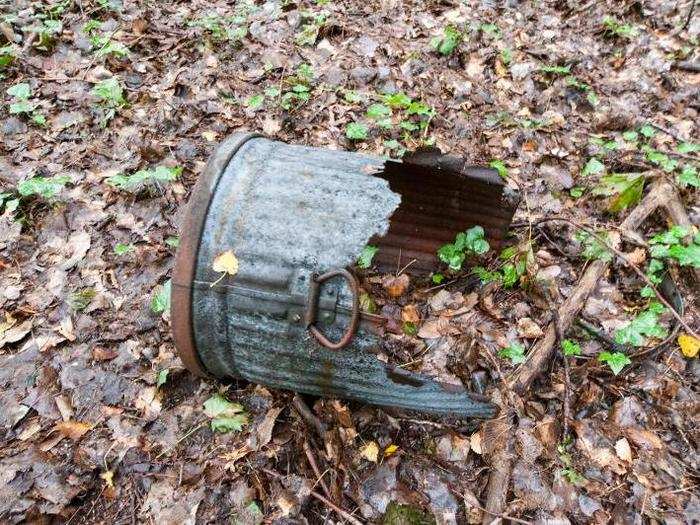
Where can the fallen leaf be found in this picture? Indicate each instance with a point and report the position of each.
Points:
(370, 452)
(108, 477)
(409, 314)
(73, 429)
(396, 286)
(529, 329)
(689, 345)
(391, 449)
(623, 449)
(226, 263)
(103, 354)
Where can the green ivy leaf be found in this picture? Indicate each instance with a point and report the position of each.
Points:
(570, 347)
(592, 248)
(630, 136)
(255, 102)
(378, 111)
(20, 91)
(226, 416)
(364, 261)
(162, 378)
(448, 42)
(122, 249)
(356, 131)
(500, 167)
(514, 352)
(593, 167)
(646, 324)
(688, 147)
(615, 360)
(688, 177)
(160, 301)
(397, 100)
(43, 186)
(647, 130)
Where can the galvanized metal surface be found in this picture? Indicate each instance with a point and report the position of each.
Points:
(289, 212)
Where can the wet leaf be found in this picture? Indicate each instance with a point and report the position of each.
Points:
(73, 429)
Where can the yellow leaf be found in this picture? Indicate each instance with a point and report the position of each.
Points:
(689, 345)
(226, 263)
(370, 452)
(209, 135)
(108, 477)
(388, 451)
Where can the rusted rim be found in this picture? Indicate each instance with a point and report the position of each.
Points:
(188, 250)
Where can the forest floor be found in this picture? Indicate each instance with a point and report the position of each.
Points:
(109, 111)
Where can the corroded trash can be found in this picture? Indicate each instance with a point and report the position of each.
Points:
(296, 218)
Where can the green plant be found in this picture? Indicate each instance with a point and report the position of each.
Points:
(398, 99)
(110, 5)
(574, 82)
(570, 348)
(225, 415)
(448, 41)
(625, 188)
(506, 56)
(353, 97)
(668, 245)
(612, 27)
(46, 187)
(470, 242)
(568, 471)
(500, 167)
(688, 177)
(8, 54)
(688, 147)
(160, 300)
(364, 261)
(514, 352)
(312, 24)
(555, 70)
(142, 178)
(255, 101)
(491, 30)
(47, 31)
(123, 249)
(21, 94)
(80, 300)
(111, 95)
(616, 361)
(232, 28)
(356, 131)
(646, 324)
(592, 247)
(8, 202)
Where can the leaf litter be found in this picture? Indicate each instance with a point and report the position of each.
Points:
(100, 149)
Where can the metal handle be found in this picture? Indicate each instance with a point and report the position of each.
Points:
(312, 308)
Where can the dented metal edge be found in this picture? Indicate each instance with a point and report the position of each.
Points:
(188, 250)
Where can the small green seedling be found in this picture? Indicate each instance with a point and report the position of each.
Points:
(356, 131)
(646, 324)
(615, 360)
(592, 248)
(80, 300)
(111, 96)
(470, 242)
(556, 70)
(514, 352)
(500, 167)
(122, 249)
(47, 32)
(448, 41)
(142, 178)
(570, 348)
(8, 54)
(614, 28)
(46, 187)
(160, 300)
(22, 105)
(364, 261)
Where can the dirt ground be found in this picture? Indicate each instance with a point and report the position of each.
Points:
(110, 109)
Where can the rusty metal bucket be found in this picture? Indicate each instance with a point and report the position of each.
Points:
(296, 217)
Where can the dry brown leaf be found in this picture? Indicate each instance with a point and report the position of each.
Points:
(396, 286)
(226, 263)
(103, 354)
(409, 314)
(623, 449)
(73, 429)
(529, 329)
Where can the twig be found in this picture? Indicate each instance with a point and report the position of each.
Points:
(667, 131)
(688, 65)
(308, 416)
(688, 17)
(342, 513)
(558, 343)
(312, 461)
